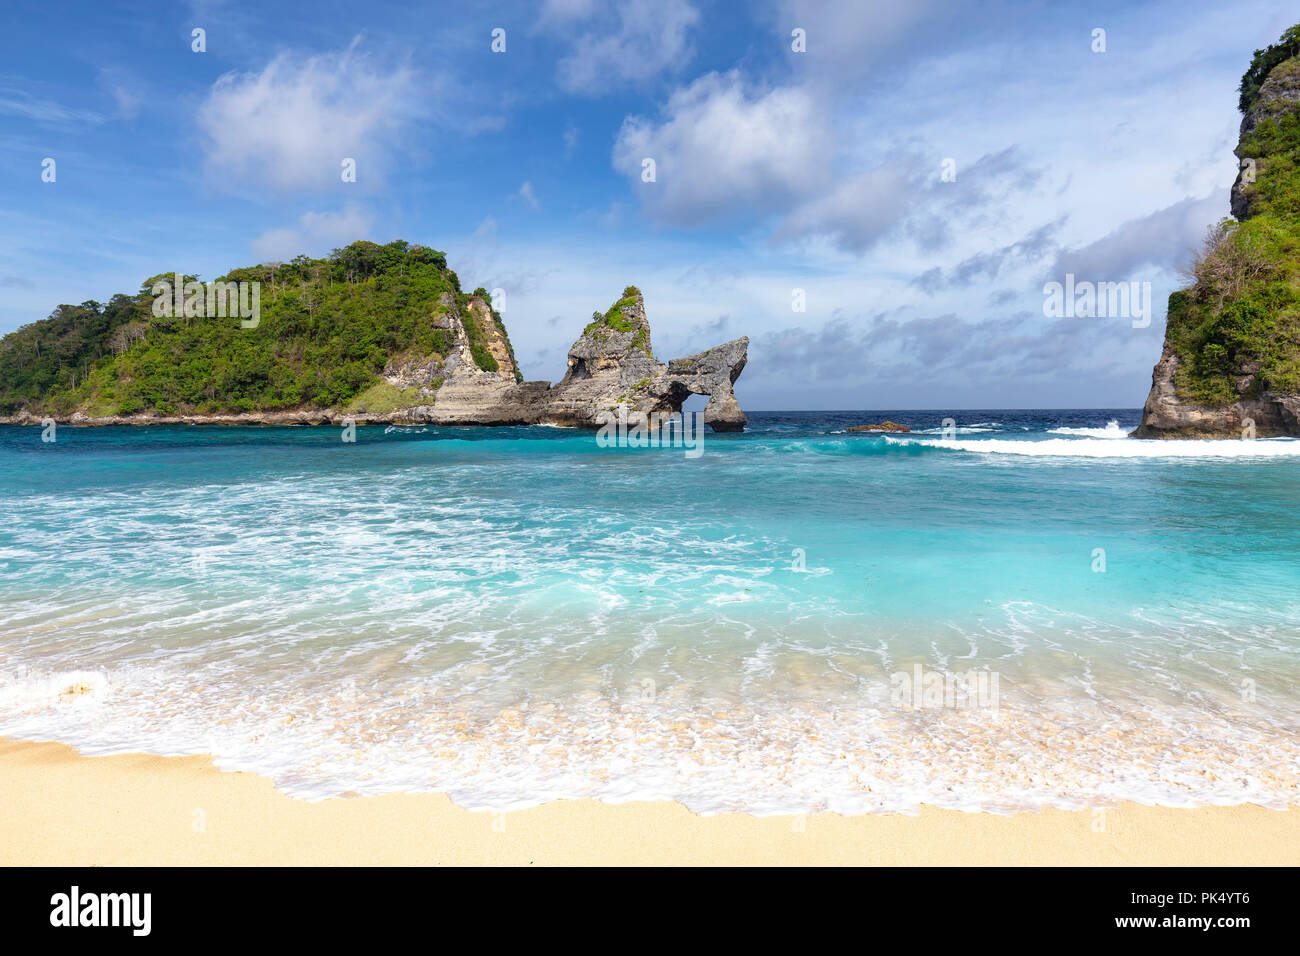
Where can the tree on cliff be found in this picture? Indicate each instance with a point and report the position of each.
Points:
(1263, 63)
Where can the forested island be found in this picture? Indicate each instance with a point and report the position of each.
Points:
(370, 333)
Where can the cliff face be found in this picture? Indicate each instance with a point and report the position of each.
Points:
(1231, 356)
(1279, 96)
(611, 364)
(464, 392)
(1166, 415)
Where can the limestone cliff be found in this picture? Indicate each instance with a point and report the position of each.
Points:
(1231, 357)
(611, 364)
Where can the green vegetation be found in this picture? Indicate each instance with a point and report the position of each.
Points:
(478, 337)
(327, 328)
(613, 317)
(483, 358)
(1264, 62)
(642, 341)
(614, 320)
(1236, 329)
(382, 398)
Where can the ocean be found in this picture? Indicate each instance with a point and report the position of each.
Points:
(1025, 611)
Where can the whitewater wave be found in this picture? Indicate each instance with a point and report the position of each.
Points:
(960, 429)
(1109, 448)
(496, 619)
(1112, 430)
(975, 428)
(65, 687)
(855, 750)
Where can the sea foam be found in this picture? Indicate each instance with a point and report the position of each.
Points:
(512, 616)
(1109, 448)
(1112, 430)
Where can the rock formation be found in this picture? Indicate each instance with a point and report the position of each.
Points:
(1279, 95)
(881, 427)
(1230, 365)
(611, 364)
(1166, 415)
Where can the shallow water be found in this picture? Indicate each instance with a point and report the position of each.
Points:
(514, 615)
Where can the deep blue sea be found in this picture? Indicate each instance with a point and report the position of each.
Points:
(1030, 610)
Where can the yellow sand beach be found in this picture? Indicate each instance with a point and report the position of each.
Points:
(60, 808)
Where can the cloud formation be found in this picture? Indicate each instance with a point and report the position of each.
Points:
(620, 43)
(316, 233)
(528, 195)
(906, 350)
(905, 196)
(20, 102)
(1165, 239)
(724, 147)
(291, 125)
(847, 40)
(989, 265)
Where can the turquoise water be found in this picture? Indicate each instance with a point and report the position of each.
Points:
(516, 615)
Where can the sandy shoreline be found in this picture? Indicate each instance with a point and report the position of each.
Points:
(60, 808)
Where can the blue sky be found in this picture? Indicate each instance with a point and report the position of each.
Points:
(775, 170)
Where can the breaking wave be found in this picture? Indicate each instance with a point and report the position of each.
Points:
(1109, 448)
(1112, 430)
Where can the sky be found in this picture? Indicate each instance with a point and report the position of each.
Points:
(875, 193)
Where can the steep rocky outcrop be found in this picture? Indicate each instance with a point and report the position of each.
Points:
(1279, 95)
(1166, 415)
(1230, 364)
(612, 364)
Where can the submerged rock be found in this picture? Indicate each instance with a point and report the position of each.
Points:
(882, 427)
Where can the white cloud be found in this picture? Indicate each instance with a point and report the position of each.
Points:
(1166, 239)
(123, 90)
(527, 194)
(724, 147)
(292, 124)
(15, 101)
(128, 102)
(846, 40)
(904, 195)
(315, 234)
(625, 42)
(560, 11)
(859, 211)
(488, 123)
